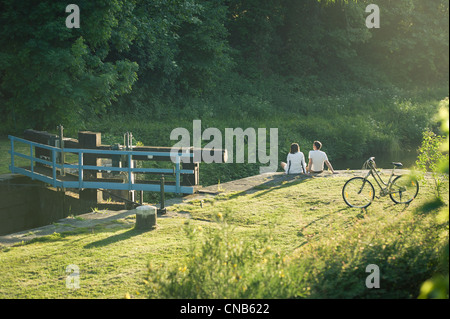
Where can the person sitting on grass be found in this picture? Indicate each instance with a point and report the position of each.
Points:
(295, 163)
(317, 158)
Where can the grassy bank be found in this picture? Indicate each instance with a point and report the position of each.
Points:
(353, 125)
(300, 235)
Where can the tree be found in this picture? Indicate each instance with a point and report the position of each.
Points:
(181, 48)
(253, 34)
(50, 74)
(412, 44)
(203, 49)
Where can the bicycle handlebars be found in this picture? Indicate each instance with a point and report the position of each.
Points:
(370, 163)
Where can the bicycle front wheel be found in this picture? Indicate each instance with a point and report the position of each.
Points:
(404, 189)
(358, 192)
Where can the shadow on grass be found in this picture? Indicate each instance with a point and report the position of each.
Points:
(277, 182)
(115, 238)
(283, 182)
(430, 206)
(300, 232)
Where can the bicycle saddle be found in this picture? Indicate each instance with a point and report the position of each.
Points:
(397, 164)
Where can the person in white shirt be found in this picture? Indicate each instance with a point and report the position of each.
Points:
(295, 163)
(317, 158)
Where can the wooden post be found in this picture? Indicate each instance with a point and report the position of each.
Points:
(145, 217)
(191, 179)
(41, 138)
(90, 140)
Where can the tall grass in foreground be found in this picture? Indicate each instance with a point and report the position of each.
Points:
(221, 265)
(406, 246)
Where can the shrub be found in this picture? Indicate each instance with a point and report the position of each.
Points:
(430, 158)
(438, 286)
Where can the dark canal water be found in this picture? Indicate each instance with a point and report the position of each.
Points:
(383, 160)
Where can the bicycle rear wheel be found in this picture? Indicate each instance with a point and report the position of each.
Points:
(358, 192)
(404, 189)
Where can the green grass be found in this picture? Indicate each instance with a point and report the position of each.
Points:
(327, 245)
(5, 157)
(112, 261)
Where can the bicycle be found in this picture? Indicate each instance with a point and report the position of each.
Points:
(358, 192)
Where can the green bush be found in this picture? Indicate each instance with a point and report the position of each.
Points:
(430, 158)
(438, 286)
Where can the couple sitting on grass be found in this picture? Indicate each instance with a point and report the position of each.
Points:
(296, 160)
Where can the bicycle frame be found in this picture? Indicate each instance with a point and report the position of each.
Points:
(373, 172)
(357, 195)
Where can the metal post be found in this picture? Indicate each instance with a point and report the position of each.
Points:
(128, 142)
(177, 172)
(162, 209)
(80, 169)
(61, 145)
(31, 160)
(129, 172)
(54, 166)
(12, 155)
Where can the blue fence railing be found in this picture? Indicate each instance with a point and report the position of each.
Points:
(57, 181)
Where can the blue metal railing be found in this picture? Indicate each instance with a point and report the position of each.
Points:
(80, 167)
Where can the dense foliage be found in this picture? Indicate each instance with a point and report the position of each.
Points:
(168, 52)
(431, 158)
(51, 74)
(437, 287)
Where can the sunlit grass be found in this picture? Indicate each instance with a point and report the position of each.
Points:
(306, 222)
(5, 157)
